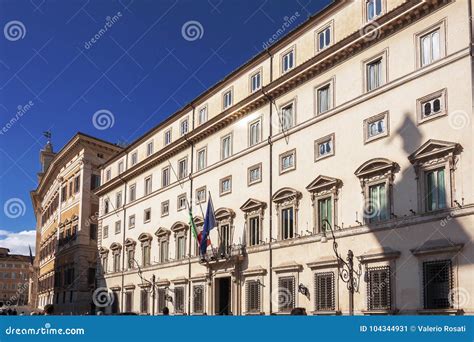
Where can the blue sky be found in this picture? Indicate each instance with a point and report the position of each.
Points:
(141, 69)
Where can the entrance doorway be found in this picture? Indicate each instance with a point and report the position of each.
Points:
(223, 296)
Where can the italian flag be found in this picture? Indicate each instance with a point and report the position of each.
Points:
(197, 234)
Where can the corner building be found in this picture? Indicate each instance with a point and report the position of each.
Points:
(356, 126)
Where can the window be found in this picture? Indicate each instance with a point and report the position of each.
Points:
(324, 38)
(286, 287)
(165, 208)
(287, 223)
(225, 185)
(144, 301)
(105, 232)
(201, 159)
(183, 168)
(163, 251)
(117, 262)
(437, 284)
(324, 147)
(179, 299)
(118, 225)
(254, 174)
(165, 177)
(147, 215)
(95, 181)
(431, 106)
(430, 46)
(182, 202)
(254, 132)
(106, 206)
(374, 74)
(148, 186)
(134, 158)
(132, 192)
(377, 208)
(161, 299)
(227, 99)
(378, 288)
(224, 238)
(373, 9)
(323, 98)
(325, 213)
(77, 183)
(324, 289)
(288, 161)
(288, 60)
(184, 127)
(202, 117)
(131, 221)
(167, 137)
(181, 248)
(287, 119)
(146, 255)
(435, 189)
(118, 200)
(252, 294)
(120, 167)
(226, 146)
(128, 301)
(255, 81)
(201, 195)
(198, 299)
(108, 174)
(149, 149)
(376, 127)
(254, 230)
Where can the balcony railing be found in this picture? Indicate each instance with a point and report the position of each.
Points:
(223, 253)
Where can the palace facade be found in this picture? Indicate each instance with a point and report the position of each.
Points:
(355, 128)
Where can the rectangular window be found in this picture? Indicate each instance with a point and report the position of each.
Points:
(95, 181)
(144, 301)
(287, 161)
(184, 127)
(179, 299)
(324, 214)
(324, 38)
(224, 238)
(106, 232)
(117, 227)
(131, 258)
(378, 203)
(134, 158)
(165, 208)
(182, 202)
(254, 230)
(226, 185)
(161, 299)
(108, 174)
(437, 284)
(118, 200)
(376, 127)
(373, 9)
(117, 262)
(324, 99)
(201, 159)
(181, 248)
(131, 221)
(431, 106)
(226, 146)
(254, 174)
(288, 61)
(286, 285)
(252, 294)
(147, 215)
(183, 168)
(254, 132)
(202, 115)
(128, 301)
(165, 177)
(132, 192)
(435, 190)
(163, 251)
(324, 147)
(149, 149)
(77, 183)
(287, 117)
(146, 257)
(374, 74)
(198, 299)
(255, 81)
(430, 46)
(287, 223)
(324, 289)
(167, 137)
(378, 288)
(227, 99)
(148, 186)
(120, 167)
(201, 195)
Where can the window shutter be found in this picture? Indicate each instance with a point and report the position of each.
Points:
(253, 296)
(324, 291)
(198, 299)
(286, 293)
(379, 288)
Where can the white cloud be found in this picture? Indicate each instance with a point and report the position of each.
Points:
(18, 242)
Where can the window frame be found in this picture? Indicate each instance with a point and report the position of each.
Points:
(442, 95)
(204, 150)
(251, 182)
(253, 308)
(150, 148)
(291, 103)
(134, 158)
(168, 133)
(287, 308)
(130, 226)
(383, 57)
(319, 31)
(206, 109)
(290, 50)
(146, 212)
(330, 137)
(331, 100)
(258, 72)
(165, 213)
(179, 198)
(181, 122)
(166, 170)
(258, 121)
(221, 189)
(199, 201)
(132, 189)
(147, 192)
(186, 173)
(365, 13)
(385, 116)
(284, 155)
(441, 26)
(230, 91)
(230, 136)
(318, 307)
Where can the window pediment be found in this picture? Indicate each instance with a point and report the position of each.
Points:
(103, 251)
(115, 246)
(224, 213)
(162, 232)
(130, 243)
(144, 237)
(322, 183)
(434, 149)
(375, 166)
(252, 205)
(286, 194)
(198, 220)
(179, 226)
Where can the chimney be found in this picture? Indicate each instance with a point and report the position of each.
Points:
(46, 156)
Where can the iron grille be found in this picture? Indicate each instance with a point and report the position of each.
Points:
(198, 298)
(161, 299)
(143, 301)
(253, 296)
(379, 288)
(437, 284)
(179, 299)
(324, 288)
(286, 293)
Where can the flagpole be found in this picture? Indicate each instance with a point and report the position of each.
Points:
(217, 227)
